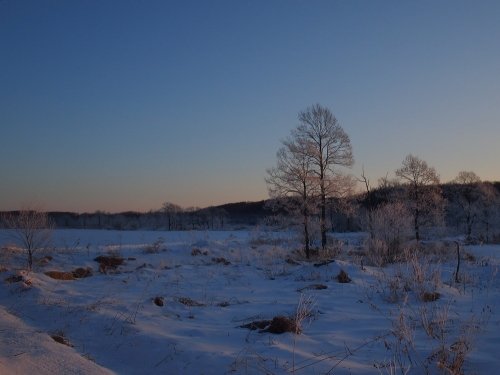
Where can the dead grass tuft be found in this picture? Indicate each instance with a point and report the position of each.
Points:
(60, 275)
(81, 272)
(221, 260)
(281, 324)
(159, 301)
(59, 338)
(278, 325)
(313, 287)
(189, 302)
(429, 296)
(343, 277)
(14, 279)
(196, 252)
(111, 261)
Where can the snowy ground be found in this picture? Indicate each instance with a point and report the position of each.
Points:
(374, 324)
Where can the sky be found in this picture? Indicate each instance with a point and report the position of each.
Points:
(124, 105)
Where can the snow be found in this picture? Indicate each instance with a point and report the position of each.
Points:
(114, 327)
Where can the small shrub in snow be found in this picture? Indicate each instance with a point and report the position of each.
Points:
(342, 277)
(281, 324)
(429, 296)
(221, 260)
(108, 262)
(189, 302)
(155, 247)
(158, 301)
(196, 252)
(59, 338)
(14, 279)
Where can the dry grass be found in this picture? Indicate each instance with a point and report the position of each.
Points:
(189, 302)
(342, 277)
(60, 275)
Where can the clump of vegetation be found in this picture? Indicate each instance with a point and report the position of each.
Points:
(109, 262)
(343, 277)
(155, 247)
(59, 338)
(281, 324)
(196, 252)
(81, 272)
(430, 296)
(189, 302)
(159, 301)
(278, 325)
(221, 260)
(313, 287)
(14, 279)
(60, 275)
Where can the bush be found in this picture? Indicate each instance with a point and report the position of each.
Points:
(342, 277)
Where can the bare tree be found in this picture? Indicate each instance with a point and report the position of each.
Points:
(424, 194)
(490, 208)
(293, 183)
(329, 148)
(31, 229)
(171, 212)
(369, 202)
(467, 199)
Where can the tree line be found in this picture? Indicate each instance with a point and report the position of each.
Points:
(310, 177)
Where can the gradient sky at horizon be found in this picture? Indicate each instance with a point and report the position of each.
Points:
(123, 105)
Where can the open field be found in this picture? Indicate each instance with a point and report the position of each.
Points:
(177, 304)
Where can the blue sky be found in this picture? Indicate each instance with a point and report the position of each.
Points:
(123, 105)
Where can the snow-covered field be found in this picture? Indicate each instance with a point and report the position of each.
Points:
(212, 283)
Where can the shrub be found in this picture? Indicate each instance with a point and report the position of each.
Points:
(342, 277)
(158, 301)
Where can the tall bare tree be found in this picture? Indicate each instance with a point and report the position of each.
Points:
(171, 212)
(329, 148)
(293, 183)
(467, 199)
(424, 194)
(31, 229)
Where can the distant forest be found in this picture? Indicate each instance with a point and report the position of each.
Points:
(344, 215)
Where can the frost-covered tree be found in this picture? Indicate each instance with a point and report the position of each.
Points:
(329, 148)
(30, 229)
(467, 199)
(293, 184)
(423, 192)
